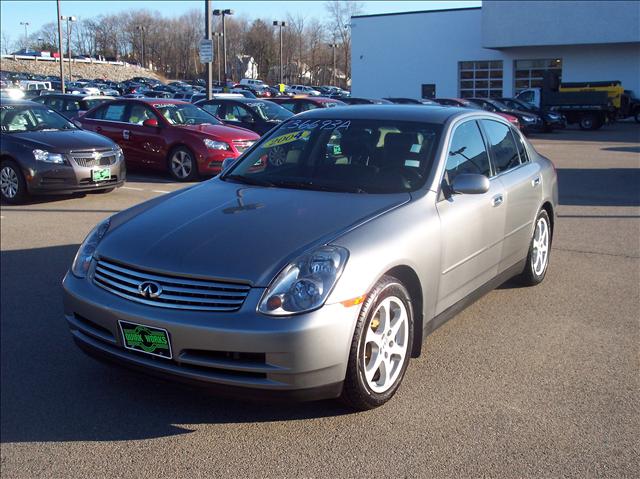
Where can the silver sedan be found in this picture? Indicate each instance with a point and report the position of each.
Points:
(315, 265)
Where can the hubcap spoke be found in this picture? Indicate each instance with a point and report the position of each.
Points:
(540, 247)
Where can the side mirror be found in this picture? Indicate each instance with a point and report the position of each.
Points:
(470, 184)
(226, 163)
(152, 122)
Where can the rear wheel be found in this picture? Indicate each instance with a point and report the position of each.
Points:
(588, 122)
(637, 116)
(381, 346)
(539, 249)
(12, 185)
(182, 164)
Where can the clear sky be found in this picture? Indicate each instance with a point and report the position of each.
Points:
(39, 12)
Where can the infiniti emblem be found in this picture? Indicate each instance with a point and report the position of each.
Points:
(150, 289)
(96, 155)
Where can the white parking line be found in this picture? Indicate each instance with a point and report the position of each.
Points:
(160, 191)
(131, 188)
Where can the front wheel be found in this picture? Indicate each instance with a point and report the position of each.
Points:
(636, 117)
(182, 164)
(381, 346)
(12, 185)
(539, 249)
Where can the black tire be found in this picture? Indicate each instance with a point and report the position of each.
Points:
(11, 168)
(103, 192)
(356, 392)
(529, 277)
(192, 173)
(636, 116)
(589, 122)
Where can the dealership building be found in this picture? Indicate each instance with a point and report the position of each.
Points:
(495, 50)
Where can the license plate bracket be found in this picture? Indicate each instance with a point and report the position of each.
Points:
(101, 174)
(146, 339)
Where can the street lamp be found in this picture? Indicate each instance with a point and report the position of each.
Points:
(279, 24)
(141, 29)
(333, 47)
(217, 36)
(26, 34)
(60, 54)
(68, 19)
(223, 13)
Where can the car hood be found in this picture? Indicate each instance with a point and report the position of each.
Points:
(226, 132)
(228, 231)
(61, 141)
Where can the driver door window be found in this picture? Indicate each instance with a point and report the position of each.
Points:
(504, 151)
(467, 153)
(139, 113)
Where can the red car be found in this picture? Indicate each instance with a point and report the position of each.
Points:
(298, 104)
(169, 135)
(462, 102)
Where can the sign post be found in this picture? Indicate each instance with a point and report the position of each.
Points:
(206, 50)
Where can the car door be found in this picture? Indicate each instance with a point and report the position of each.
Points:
(522, 183)
(145, 144)
(108, 121)
(471, 225)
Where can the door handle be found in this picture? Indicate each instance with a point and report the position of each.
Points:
(126, 134)
(98, 129)
(535, 182)
(497, 200)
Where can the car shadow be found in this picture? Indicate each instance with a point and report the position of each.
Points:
(53, 392)
(599, 187)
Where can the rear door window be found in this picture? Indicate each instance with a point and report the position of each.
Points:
(213, 108)
(114, 112)
(504, 151)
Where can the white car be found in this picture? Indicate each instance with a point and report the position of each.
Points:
(304, 90)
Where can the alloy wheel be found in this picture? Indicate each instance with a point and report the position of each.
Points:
(540, 255)
(386, 344)
(9, 182)
(181, 164)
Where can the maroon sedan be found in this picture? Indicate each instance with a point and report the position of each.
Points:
(164, 134)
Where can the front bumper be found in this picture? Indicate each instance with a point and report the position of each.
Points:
(62, 179)
(244, 352)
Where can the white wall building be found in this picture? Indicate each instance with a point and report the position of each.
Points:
(496, 50)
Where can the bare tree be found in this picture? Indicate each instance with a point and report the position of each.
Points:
(340, 13)
(6, 44)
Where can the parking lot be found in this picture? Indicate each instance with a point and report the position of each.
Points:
(527, 382)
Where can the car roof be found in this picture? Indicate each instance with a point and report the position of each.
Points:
(433, 114)
(157, 101)
(11, 101)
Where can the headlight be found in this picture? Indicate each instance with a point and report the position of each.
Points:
(528, 118)
(305, 283)
(42, 155)
(83, 258)
(215, 145)
(119, 153)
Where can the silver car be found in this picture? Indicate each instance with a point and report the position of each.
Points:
(317, 263)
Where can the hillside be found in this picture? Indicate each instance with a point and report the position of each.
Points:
(79, 70)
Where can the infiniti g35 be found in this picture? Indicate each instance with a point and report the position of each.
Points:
(316, 263)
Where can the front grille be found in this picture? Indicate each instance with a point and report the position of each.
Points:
(242, 145)
(90, 159)
(177, 292)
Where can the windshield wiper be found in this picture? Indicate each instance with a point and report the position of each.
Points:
(247, 180)
(310, 185)
(43, 128)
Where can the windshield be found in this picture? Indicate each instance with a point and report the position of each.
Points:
(185, 114)
(500, 105)
(269, 111)
(21, 118)
(358, 156)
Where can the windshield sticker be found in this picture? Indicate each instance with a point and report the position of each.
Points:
(416, 148)
(288, 138)
(7, 107)
(164, 105)
(320, 124)
(412, 163)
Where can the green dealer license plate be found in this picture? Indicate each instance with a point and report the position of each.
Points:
(102, 174)
(146, 339)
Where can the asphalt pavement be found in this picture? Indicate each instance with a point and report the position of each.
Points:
(527, 382)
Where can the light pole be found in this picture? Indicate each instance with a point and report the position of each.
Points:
(26, 32)
(279, 24)
(60, 54)
(217, 35)
(208, 19)
(223, 13)
(141, 29)
(68, 19)
(333, 47)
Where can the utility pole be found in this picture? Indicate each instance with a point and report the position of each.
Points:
(207, 24)
(333, 71)
(141, 29)
(68, 19)
(219, 57)
(26, 33)
(223, 13)
(60, 54)
(280, 24)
